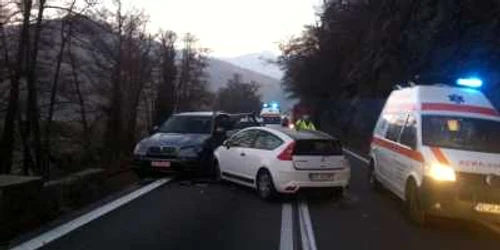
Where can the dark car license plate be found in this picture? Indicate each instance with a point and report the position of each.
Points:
(160, 164)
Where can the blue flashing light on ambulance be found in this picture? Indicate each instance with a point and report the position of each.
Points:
(470, 82)
(437, 148)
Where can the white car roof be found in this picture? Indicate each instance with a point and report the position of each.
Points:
(294, 134)
(199, 113)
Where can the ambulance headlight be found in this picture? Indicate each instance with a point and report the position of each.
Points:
(440, 172)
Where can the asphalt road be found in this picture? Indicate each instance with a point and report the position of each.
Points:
(184, 214)
(372, 220)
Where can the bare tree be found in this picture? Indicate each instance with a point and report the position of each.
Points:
(33, 115)
(65, 34)
(124, 58)
(191, 90)
(7, 140)
(81, 100)
(101, 64)
(164, 105)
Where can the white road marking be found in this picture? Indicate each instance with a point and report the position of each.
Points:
(306, 230)
(64, 229)
(490, 225)
(286, 238)
(361, 158)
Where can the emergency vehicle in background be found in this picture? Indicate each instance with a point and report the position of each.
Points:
(438, 149)
(271, 114)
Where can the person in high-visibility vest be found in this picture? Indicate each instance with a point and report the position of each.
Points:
(304, 124)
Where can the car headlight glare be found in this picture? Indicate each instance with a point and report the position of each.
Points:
(140, 149)
(442, 172)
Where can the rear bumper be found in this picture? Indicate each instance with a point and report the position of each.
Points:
(143, 164)
(293, 181)
(452, 200)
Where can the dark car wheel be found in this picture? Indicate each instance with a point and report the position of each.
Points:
(414, 208)
(141, 173)
(265, 186)
(217, 174)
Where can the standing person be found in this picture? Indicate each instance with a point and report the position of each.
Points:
(305, 124)
(285, 121)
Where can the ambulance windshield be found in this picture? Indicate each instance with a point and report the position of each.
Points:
(462, 133)
(271, 120)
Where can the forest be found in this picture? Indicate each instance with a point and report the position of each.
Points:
(359, 50)
(81, 82)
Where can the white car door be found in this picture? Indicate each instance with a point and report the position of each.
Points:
(235, 159)
(226, 156)
(262, 152)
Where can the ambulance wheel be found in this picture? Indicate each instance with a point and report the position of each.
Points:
(414, 207)
(372, 178)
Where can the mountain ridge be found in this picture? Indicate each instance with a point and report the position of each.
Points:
(261, 62)
(220, 71)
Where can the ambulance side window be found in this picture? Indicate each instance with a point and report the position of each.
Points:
(396, 123)
(409, 134)
(381, 127)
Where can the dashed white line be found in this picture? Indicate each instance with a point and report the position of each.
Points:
(306, 229)
(64, 229)
(361, 158)
(286, 239)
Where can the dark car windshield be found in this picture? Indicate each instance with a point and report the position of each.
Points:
(187, 125)
(462, 133)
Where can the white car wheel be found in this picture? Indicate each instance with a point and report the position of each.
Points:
(265, 187)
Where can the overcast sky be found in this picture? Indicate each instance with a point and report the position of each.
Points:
(232, 27)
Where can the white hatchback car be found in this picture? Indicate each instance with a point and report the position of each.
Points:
(281, 160)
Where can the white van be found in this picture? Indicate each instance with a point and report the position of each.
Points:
(271, 117)
(438, 149)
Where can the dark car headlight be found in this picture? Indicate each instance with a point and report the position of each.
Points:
(140, 149)
(190, 152)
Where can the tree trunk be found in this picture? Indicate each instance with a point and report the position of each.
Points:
(7, 141)
(23, 132)
(33, 112)
(54, 87)
(165, 96)
(81, 102)
(114, 124)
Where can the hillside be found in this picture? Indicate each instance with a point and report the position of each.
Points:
(220, 71)
(258, 62)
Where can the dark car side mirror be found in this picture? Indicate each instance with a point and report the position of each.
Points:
(220, 130)
(154, 129)
(226, 144)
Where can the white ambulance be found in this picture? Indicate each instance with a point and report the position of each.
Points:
(438, 149)
(271, 115)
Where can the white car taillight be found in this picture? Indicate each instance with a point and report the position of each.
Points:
(287, 153)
